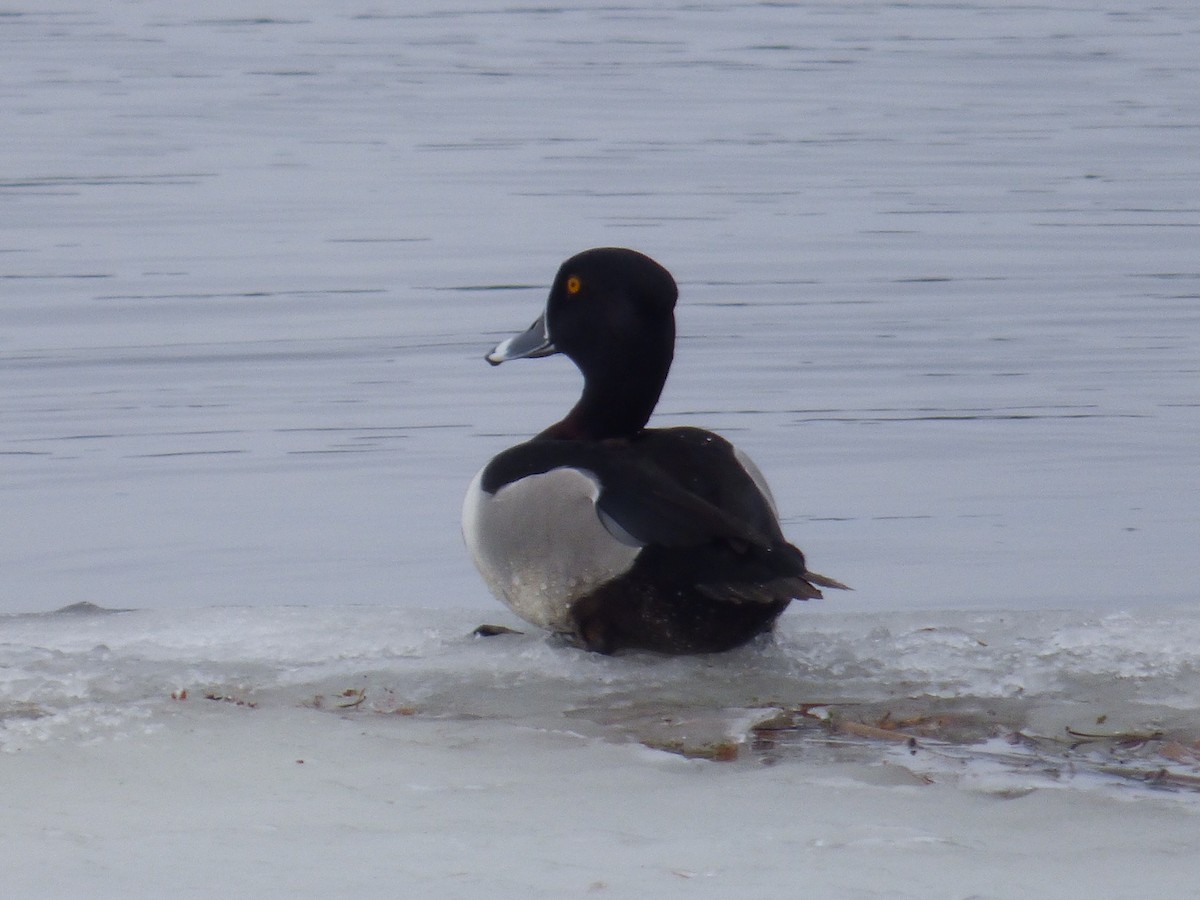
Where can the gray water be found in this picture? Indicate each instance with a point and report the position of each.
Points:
(938, 266)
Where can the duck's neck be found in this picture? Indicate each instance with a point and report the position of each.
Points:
(614, 404)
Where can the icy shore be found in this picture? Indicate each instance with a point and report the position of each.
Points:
(363, 751)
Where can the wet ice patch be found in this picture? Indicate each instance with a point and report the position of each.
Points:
(1060, 693)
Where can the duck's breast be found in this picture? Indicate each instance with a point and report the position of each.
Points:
(540, 544)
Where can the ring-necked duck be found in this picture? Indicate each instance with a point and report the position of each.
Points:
(612, 534)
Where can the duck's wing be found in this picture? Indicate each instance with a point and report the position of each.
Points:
(686, 501)
(711, 506)
(640, 501)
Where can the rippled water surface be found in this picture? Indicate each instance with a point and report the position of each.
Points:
(938, 268)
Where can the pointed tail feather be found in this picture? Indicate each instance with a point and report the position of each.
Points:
(826, 581)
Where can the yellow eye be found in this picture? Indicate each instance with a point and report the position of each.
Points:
(574, 284)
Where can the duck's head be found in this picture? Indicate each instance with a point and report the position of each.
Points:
(611, 311)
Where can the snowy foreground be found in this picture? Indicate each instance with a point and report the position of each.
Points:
(376, 753)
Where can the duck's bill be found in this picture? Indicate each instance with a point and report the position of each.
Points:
(528, 344)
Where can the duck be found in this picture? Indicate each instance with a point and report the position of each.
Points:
(613, 535)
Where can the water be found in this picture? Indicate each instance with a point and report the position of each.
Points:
(937, 263)
(939, 278)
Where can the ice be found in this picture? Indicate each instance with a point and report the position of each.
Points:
(938, 279)
(991, 673)
(355, 750)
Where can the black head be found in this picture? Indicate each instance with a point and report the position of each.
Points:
(610, 306)
(610, 310)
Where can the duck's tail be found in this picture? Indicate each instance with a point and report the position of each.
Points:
(826, 582)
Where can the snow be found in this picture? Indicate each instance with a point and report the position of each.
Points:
(360, 751)
(937, 265)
